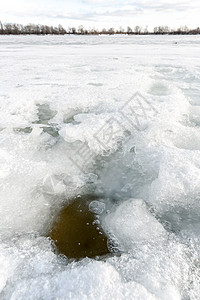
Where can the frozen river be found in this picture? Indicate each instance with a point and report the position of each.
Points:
(116, 117)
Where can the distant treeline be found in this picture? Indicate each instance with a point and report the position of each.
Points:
(18, 29)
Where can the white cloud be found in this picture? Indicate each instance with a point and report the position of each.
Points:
(108, 2)
(102, 13)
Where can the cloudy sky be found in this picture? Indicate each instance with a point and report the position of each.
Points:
(102, 13)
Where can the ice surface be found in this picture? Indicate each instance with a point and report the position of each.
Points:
(115, 116)
(132, 223)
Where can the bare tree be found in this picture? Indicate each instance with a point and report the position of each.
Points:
(13, 28)
(121, 30)
(129, 30)
(61, 30)
(1, 28)
(81, 30)
(146, 30)
(138, 30)
(111, 31)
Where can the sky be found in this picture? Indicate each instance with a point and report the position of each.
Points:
(101, 13)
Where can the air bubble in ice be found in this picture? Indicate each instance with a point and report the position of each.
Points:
(96, 207)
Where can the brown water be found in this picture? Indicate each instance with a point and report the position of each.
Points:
(76, 233)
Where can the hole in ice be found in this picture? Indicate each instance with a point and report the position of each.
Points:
(95, 84)
(45, 114)
(51, 130)
(23, 130)
(69, 118)
(77, 232)
(159, 89)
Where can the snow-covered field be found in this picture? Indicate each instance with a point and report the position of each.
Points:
(114, 116)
